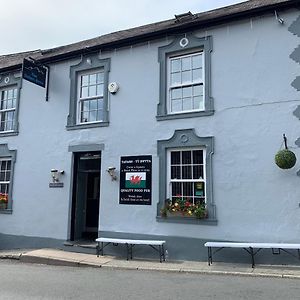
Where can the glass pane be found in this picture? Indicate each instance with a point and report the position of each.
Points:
(85, 106)
(7, 176)
(93, 104)
(100, 115)
(4, 95)
(188, 190)
(8, 166)
(187, 104)
(15, 91)
(93, 116)
(197, 157)
(2, 176)
(93, 78)
(176, 93)
(10, 94)
(3, 104)
(84, 80)
(175, 158)
(197, 75)
(9, 104)
(84, 117)
(100, 103)
(175, 173)
(175, 65)
(84, 92)
(175, 78)
(14, 103)
(92, 91)
(199, 189)
(176, 105)
(100, 77)
(176, 189)
(186, 157)
(198, 103)
(187, 91)
(186, 63)
(197, 90)
(186, 76)
(3, 189)
(198, 172)
(186, 172)
(100, 90)
(197, 61)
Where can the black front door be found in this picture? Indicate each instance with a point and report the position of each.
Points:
(86, 195)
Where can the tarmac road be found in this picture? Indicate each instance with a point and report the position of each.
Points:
(32, 281)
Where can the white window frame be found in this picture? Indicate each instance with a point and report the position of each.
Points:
(186, 84)
(6, 110)
(7, 183)
(80, 100)
(169, 180)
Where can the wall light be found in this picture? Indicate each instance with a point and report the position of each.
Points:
(112, 172)
(55, 174)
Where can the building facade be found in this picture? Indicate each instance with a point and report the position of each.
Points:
(201, 100)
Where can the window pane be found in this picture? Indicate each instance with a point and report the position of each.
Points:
(4, 95)
(93, 78)
(175, 78)
(176, 189)
(176, 93)
(84, 80)
(84, 117)
(175, 158)
(100, 77)
(197, 74)
(84, 92)
(197, 61)
(199, 189)
(93, 116)
(198, 102)
(100, 103)
(100, 89)
(176, 105)
(175, 65)
(93, 104)
(187, 104)
(175, 173)
(2, 176)
(188, 190)
(198, 172)
(197, 90)
(186, 157)
(186, 172)
(9, 104)
(10, 94)
(100, 115)
(92, 91)
(85, 106)
(187, 76)
(7, 176)
(186, 63)
(187, 91)
(15, 91)
(198, 157)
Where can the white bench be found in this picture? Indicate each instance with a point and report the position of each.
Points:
(130, 243)
(252, 248)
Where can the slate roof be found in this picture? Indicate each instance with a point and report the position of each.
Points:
(150, 31)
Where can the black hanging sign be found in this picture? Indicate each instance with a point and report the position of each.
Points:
(136, 179)
(34, 72)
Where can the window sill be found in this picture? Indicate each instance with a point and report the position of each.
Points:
(8, 133)
(185, 115)
(186, 220)
(89, 125)
(6, 211)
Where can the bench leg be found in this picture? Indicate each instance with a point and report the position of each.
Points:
(163, 252)
(98, 249)
(252, 256)
(209, 255)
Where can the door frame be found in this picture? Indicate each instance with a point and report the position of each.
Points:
(73, 150)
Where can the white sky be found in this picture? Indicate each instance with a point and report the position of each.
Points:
(41, 24)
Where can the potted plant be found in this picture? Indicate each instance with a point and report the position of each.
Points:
(3, 201)
(285, 159)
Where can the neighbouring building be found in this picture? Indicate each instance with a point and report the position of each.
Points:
(164, 131)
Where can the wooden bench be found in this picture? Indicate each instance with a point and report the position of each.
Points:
(252, 248)
(130, 243)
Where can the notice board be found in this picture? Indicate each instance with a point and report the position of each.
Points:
(135, 179)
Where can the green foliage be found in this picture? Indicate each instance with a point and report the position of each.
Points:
(285, 159)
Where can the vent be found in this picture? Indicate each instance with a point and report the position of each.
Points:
(184, 17)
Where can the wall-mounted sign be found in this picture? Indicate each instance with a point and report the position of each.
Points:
(136, 179)
(34, 72)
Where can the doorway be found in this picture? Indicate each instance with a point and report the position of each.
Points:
(86, 195)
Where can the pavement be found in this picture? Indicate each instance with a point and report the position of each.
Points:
(66, 258)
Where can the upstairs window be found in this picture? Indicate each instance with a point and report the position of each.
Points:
(90, 100)
(186, 83)
(185, 78)
(8, 98)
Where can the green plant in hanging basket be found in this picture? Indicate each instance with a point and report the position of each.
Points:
(285, 159)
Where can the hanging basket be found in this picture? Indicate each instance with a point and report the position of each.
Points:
(285, 159)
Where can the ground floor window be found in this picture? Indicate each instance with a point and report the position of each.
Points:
(185, 185)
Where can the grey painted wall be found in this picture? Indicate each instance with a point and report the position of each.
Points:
(251, 75)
